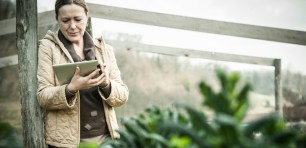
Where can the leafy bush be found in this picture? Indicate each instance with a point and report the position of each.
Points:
(189, 127)
(8, 136)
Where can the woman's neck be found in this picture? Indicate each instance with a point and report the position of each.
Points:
(79, 47)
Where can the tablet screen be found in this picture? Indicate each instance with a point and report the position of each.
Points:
(64, 72)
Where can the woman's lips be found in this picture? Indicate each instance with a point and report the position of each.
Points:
(73, 34)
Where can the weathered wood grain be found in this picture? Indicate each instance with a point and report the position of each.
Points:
(278, 86)
(32, 114)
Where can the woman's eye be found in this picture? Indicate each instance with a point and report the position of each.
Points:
(65, 21)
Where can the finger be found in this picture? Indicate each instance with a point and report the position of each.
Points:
(103, 67)
(77, 70)
(100, 81)
(93, 74)
(95, 80)
(94, 83)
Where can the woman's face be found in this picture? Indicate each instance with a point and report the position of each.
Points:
(72, 21)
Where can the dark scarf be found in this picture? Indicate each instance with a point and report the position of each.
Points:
(88, 47)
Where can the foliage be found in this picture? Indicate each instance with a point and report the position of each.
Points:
(8, 136)
(188, 127)
(88, 145)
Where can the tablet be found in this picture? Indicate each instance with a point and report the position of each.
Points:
(64, 72)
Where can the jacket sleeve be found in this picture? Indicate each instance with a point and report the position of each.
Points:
(119, 91)
(50, 97)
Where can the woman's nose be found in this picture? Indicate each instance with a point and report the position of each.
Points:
(72, 25)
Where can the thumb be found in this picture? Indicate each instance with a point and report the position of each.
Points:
(103, 67)
(77, 71)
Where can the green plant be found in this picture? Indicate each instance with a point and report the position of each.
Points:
(188, 127)
(8, 136)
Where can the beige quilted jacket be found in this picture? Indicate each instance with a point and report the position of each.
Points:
(62, 120)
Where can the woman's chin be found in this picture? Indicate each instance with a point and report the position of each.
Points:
(74, 39)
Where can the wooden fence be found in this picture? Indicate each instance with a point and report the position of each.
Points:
(185, 23)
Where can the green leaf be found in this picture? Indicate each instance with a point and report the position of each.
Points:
(261, 124)
(183, 131)
(88, 145)
(232, 81)
(198, 119)
(179, 142)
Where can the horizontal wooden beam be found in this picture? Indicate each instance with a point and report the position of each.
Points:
(139, 47)
(175, 21)
(197, 24)
(9, 25)
(133, 46)
(8, 61)
(46, 18)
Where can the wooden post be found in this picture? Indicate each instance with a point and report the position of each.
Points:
(89, 26)
(32, 114)
(278, 87)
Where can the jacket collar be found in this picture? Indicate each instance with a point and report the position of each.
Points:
(53, 36)
(88, 47)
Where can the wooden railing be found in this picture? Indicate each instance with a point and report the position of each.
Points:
(175, 21)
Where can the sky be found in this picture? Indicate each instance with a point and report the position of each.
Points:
(287, 14)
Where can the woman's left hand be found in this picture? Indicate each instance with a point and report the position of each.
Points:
(105, 76)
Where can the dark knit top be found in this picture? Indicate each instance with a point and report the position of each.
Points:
(93, 122)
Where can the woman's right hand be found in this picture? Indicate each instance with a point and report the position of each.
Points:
(79, 82)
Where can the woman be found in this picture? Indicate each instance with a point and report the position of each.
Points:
(82, 110)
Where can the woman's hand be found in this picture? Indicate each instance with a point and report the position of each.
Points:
(79, 82)
(105, 76)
